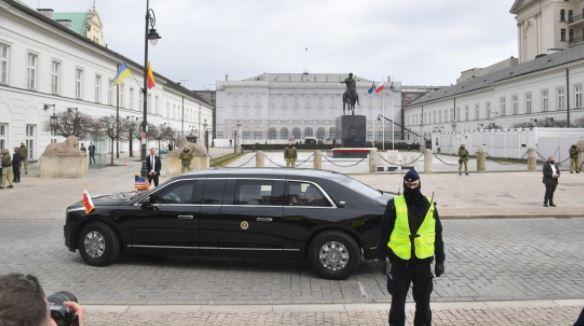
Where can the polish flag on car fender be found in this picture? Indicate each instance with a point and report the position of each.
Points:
(380, 88)
(87, 202)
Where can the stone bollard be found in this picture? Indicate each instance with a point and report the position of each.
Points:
(260, 159)
(373, 160)
(481, 159)
(317, 160)
(531, 160)
(427, 161)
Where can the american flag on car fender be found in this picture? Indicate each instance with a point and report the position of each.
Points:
(141, 183)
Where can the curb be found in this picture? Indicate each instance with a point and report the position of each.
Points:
(511, 216)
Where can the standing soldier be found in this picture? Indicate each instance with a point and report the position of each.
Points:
(6, 169)
(551, 176)
(410, 237)
(186, 156)
(91, 153)
(290, 155)
(463, 159)
(16, 160)
(574, 159)
(23, 151)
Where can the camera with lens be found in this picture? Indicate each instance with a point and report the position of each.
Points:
(60, 313)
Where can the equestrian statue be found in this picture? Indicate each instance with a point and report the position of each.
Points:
(350, 97)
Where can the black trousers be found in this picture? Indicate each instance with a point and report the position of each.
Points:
(153, 178)
(550, 188)
(16, 172)
(420, 274)
(92, 158)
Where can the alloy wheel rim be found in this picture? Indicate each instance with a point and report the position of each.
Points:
(94, 244)
(334, 256)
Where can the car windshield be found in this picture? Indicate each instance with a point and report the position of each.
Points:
(361, 188)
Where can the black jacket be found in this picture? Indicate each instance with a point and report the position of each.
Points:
(415, 216)
(16, 159)
(157, 164)
(548, 173)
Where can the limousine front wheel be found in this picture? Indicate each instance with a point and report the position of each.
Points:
(98, 244)
(334, 255)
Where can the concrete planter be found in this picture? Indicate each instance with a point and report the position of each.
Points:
(64, 166)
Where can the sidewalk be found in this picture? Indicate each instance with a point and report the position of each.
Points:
(560, 312)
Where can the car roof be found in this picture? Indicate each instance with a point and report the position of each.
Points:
(265, 173)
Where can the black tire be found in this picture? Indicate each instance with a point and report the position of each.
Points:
(110, 249)
(339, 249)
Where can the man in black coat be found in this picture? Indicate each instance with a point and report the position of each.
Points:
(551, 174)
(418, 223)
(16, 160)
(153, 165)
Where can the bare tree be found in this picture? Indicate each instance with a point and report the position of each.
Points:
(71, 123)
(579, 123)
(112, 130)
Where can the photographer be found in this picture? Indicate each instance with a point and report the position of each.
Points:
(23, 303)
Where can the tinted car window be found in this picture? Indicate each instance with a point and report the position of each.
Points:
(213, 193)
(177, 193)
(259, 192)
(305, 194)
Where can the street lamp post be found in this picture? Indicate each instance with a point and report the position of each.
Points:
(150, 34)
(206, 135)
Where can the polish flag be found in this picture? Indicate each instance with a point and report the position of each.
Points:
(87, 202)
(380, 88)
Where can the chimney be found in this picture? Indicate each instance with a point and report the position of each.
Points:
(65, 22)
(47, 12)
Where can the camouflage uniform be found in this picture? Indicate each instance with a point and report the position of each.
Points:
(574, 159)
(23, 151)
(186, 156)
(290, 156)
(6, 169)
(463, 159)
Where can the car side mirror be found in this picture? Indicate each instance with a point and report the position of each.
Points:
(147, 202)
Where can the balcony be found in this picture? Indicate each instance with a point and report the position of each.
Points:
(576, 40)
(576, 21)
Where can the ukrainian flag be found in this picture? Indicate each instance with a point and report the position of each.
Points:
(123, 73)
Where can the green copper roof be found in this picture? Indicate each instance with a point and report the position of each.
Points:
(78, 20)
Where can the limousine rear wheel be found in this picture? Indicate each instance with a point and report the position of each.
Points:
(98, 244)
(334, 255)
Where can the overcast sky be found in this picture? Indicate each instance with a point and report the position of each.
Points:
(417, 42)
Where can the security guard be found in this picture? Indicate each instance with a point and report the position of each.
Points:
(462, 159)
(185, 156)
(410, 237)
(574, 159)
(290, 155)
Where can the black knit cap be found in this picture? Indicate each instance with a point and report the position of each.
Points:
(412, 175)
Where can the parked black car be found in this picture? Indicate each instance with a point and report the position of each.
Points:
(326, 217)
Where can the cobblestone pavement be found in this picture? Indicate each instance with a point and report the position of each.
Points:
(486, 260)
(515, 313)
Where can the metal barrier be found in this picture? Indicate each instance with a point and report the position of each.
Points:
(252, 157)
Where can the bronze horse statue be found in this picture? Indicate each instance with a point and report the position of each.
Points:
(350, 97)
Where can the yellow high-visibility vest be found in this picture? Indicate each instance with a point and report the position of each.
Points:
(400, 239)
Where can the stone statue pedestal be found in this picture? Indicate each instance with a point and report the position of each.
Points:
(351, 130)
(172, 165)
(64, 166)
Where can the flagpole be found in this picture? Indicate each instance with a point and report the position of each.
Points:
(393, 122)
(372, 118)
(383, 121)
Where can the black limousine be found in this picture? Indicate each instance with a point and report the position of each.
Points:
(326, 217)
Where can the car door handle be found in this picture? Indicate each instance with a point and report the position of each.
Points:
(186, 217)
(263, 219)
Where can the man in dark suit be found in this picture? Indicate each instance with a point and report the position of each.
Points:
(153, 165)
(551, 174)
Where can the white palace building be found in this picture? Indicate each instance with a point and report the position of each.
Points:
(275, 107)
(55, 62)
(545, 84)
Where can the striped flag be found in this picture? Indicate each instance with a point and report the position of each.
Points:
(380, 88)
(87, 202)
(123, 73)
(141, 183)
(150, 77)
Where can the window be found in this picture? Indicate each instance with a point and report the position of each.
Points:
(97, 88)
(332, 132)
(149, 104)
(182, 192)
(213, 193)
(56, 78)
(545, 100)
(305, 194)
(131, 98)
(78, 83)
(562, 15)
(528, 102)
(30, 140)
(503, 105)
(477, 112)
(284, 133)
(257, 135)
(272, 133)
(110, 92)
(4, 59)
(259, 192)
(458, 114)
(488, 109)
(578, 95)
(156, 108)
(434, 117)
(561, 98)
(515, 103)
(3, 135)
(571, 34)
(570, 16)
(122, 95)
(31, 71)
(563, 34)
(466, 113)
(320, 132)
(308, 132)
(296, 133)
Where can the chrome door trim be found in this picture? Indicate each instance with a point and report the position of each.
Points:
(210, 248)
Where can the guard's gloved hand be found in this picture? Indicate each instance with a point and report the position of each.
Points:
(439, 269)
